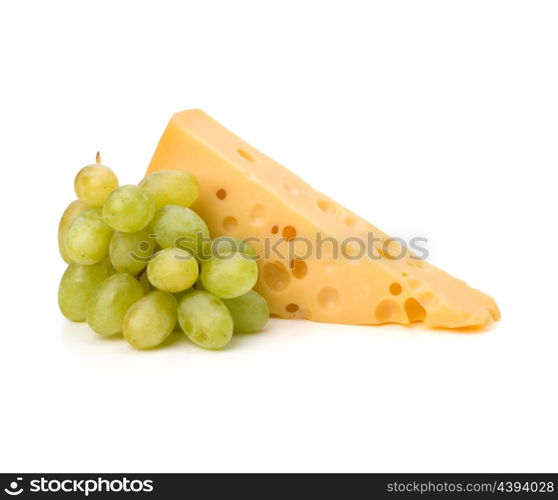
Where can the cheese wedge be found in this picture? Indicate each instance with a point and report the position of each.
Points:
(246, 194)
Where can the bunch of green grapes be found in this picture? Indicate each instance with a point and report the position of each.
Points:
(141, 263)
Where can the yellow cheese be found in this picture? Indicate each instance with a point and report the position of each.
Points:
(247, 194)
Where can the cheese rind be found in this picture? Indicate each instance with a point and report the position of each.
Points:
(246, 194)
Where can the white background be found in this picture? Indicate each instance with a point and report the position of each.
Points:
(428, 118)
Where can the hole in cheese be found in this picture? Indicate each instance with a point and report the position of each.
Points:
(275, 229)
(298, 268)
(420, 264)
(221, 194)
(354, 250)
(323, 205)
(290, 188)
(230, 224)
(328, 207)
(415, 312)
(304, 313)
(414, 284)
(382, 253)
(289, 232)
(350, 221)
(428, 299)
(395, 289)
(328, 298)
(245, 155)
(388, 311)
(392, 250)
(275, 276)
(292, 308)
(258, 214)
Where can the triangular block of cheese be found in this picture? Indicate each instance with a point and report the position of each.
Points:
(246, 194)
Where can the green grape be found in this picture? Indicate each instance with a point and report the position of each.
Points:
(250, 312)
(129, 209)
(88, 237)
(180, 227)
(110, 301)
(225, 245)
(76, 286)
(130, 252)
(205, 320)
(172, 187)
(94, 183)
(144, 281)
(173, 270)
(230, 276)
(73, 210)
(150, 320)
